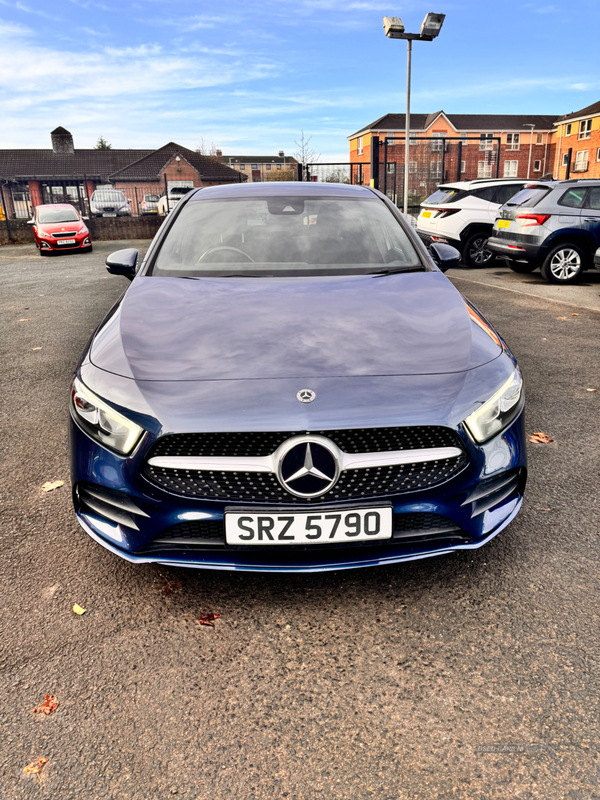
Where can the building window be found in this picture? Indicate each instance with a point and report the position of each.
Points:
(278, 166)
(391, 167)
(412, 167)
(565, 159)
(539, 138)
(486, 141)
(435, 169)
(537, 166)
(512, 141)
(268, 166)
(463, 139)
(254, 166)
(484, 170)
(585, 129)
(437, 145)
(568, 129)
(598, 154)
(463, 166)
(242, 166)
(511, 169)
(581, 161)
(360, 145)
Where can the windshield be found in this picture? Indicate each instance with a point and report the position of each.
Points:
(444, 194)
(106, 196)
(151, 198)
(50, 215)
(284, 236)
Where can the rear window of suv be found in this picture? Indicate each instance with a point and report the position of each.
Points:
(527, 198)
(445, 194)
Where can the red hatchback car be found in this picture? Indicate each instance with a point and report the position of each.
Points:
(60, 227)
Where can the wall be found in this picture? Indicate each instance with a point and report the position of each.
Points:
(16, 231)
(564, 143)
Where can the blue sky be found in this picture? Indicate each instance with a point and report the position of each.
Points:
(249, 76)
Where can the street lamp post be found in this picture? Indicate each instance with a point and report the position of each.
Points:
(394, 29)
(531, 126)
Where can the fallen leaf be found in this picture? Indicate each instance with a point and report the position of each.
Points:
(562, 318)
(50, 486)
(574, 315)
(591, 390)
(35, 767)
(79, 610)
(540, 438)
(23, 320)
(543, 509)
(208, 619)
(49, 705)
(36, 348)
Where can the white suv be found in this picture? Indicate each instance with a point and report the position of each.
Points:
(462, 214)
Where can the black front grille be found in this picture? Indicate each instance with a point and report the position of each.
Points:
(65, 235)
(210, 534)
(359, 440)
(263, 487)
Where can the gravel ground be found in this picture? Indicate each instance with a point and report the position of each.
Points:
(470, 676)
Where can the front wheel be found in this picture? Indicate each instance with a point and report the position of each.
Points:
(522, 267)
(563, 264)
(476, 253)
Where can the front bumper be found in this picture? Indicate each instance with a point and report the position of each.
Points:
(477, 503)
(82, 242)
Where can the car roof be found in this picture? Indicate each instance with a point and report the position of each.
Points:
(56, 205)
(284, 189)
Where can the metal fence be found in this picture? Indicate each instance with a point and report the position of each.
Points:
(432, 161)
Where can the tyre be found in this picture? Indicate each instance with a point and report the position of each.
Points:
(475, 252)
(563, 264)
(522, 266)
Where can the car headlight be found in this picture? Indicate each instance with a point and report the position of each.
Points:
(497, 412)
(102, 422)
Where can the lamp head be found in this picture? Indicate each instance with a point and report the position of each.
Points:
(393, 27)
(432, 25)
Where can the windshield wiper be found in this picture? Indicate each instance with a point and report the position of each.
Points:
(393, 270)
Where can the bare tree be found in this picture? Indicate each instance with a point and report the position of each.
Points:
(305, 154)
(205, 148)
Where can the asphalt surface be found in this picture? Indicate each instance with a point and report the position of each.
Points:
(466, 676)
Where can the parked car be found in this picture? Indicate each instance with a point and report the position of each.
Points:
(462, 214)
(553, 226)
(290, 383)
(149, 204)
(109, 203)
(167, 202)
(59, 227)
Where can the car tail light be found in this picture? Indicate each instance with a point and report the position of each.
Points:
(447, 212)
(536, 219)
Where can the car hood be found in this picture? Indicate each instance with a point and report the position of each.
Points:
(168, 329)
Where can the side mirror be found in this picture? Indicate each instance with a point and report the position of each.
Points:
(597, 258)
(123, 262)
(445, 256)
(31, 222)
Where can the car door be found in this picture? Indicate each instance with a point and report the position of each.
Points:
(590, 215)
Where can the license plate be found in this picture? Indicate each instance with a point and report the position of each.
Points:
(426, 214)
(281, 528)
(65, 241)
(503, 223)
(109, 215)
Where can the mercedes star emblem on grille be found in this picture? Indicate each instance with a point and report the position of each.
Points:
(306, 395)
(308, 468)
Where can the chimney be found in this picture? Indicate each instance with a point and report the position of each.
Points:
(281, 154)
(219, 154)
(62, 142)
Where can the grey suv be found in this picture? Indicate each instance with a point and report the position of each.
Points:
(554, 226)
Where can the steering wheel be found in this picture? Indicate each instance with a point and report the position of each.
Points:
(224, 247)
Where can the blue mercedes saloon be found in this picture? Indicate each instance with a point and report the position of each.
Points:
(290, 383)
